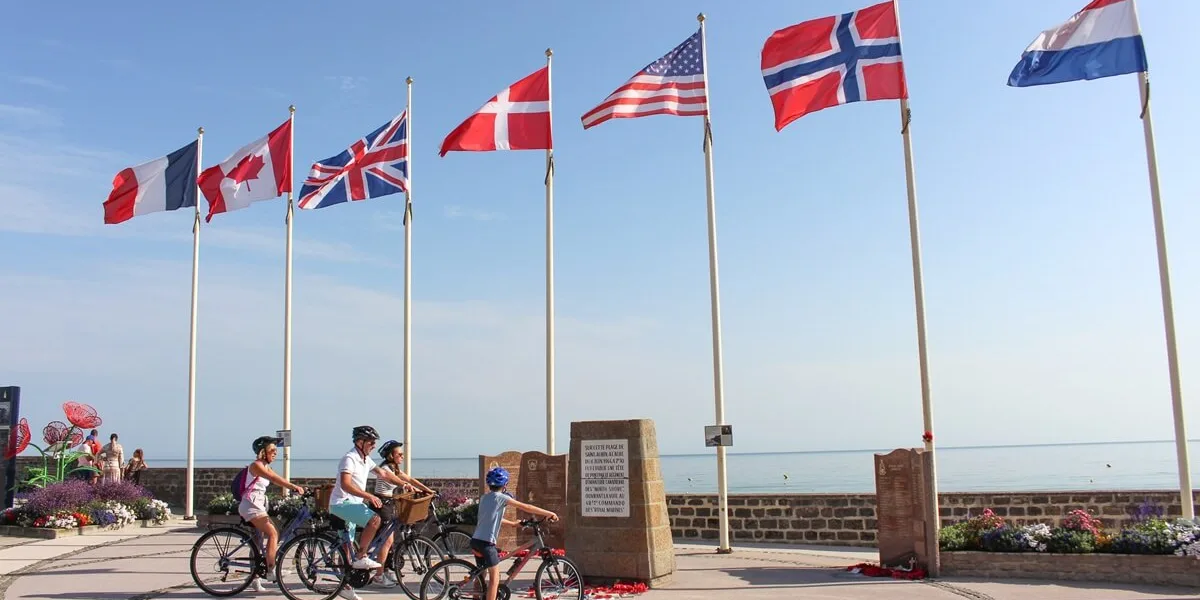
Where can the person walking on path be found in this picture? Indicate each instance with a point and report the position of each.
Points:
(112, 457)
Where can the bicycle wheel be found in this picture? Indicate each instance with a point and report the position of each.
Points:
(224, 561)
(313, 566)
(411, 560)
(558, 578)
(450, 578)
(455, 544)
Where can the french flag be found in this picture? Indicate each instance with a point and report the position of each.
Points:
(163, 184)
(1102, 40)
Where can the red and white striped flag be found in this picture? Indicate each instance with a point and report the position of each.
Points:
(671, 85)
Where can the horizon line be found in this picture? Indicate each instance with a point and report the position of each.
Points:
(776, 452)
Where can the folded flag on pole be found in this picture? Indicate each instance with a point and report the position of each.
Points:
(518, 118)
(671, 85)
(1102, 40)
(260, 170)
(163, 184)
(374, 166)
(834, 60)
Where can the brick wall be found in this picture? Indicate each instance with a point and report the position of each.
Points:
(170, 484)
(1117, 568)
(837, 519)
(849, 519)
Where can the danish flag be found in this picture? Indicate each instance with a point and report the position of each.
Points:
(518, 118)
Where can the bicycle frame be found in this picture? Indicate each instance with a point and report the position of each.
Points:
(535, 547)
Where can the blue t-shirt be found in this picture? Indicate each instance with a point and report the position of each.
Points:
(491, 513)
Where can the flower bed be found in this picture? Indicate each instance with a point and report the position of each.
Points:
(71, 505)
(457, 510)
(1080, 533)
(1151, 550)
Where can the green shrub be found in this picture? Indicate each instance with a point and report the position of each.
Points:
(223, 505)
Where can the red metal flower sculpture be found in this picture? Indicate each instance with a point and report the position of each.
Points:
(54, 432)
(18, 440)
(82, 415)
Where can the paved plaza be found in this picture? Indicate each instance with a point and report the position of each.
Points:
(142, 564)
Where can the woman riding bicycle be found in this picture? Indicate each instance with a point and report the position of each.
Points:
(391, 453)
(253, 507)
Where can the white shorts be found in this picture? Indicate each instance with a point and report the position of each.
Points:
(252, 508)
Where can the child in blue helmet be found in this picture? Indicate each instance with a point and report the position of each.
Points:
(491, 517)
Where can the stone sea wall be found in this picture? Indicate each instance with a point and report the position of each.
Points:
(836, 519)
(849, 519)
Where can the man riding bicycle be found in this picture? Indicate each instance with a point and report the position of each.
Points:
(349, 494)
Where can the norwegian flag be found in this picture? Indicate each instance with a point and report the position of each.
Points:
(374, 166)
(518, 118)
(835, 60)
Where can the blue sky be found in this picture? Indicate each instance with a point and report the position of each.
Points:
(1042, 291)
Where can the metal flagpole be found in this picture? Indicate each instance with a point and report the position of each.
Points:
(549, 272)
(287, 313)
(715, 301)
(1164, 279)
(191, 433)
(408, 290)
(932, 514)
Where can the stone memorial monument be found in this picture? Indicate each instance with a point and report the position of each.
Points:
(617, 526)
(903, 496)
(511, 462)
(544, 484)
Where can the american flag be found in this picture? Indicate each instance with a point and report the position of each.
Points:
(671, 85)
(374, 166)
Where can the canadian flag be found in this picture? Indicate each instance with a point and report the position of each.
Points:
(518, 118)
(260, 170)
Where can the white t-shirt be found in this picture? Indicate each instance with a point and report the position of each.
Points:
(358, 468)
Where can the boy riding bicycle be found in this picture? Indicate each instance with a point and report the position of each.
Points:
(491, 516)
(349, 493)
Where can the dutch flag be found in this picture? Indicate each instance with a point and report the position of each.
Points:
(1102, 40)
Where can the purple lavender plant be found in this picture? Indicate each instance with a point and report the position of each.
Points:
(66, 495)
(120, 491)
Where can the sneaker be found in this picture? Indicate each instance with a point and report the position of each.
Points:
(257, 586)
(349, 594)
(365, 563)
(386, 580)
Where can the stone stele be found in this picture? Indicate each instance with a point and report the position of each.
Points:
(617, 525)
(902, 504)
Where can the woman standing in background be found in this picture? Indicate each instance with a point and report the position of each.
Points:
(137, 464)
(112, 457)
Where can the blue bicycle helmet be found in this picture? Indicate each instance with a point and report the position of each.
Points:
(497, 477)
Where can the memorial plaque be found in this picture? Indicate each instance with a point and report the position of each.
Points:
(617, 523)
(544, 484)
(605, 478)
(902, 509)
(511, 462)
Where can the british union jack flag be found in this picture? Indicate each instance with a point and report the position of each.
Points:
(374, 166)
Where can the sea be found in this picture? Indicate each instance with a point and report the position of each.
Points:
(1147, 465)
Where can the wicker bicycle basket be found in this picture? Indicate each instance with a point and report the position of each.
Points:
(411, 507)
(323, 494)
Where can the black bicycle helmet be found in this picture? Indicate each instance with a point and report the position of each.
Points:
(365, 432)
(385, 451)
(264, 441)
